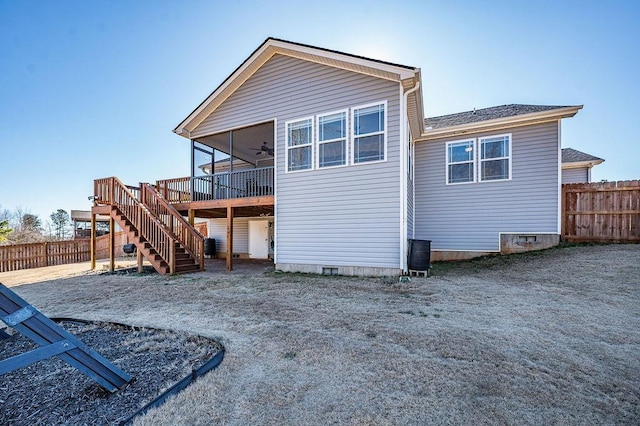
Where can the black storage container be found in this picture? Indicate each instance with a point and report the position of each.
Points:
(129, 248)
(419, 255)
(210, 247)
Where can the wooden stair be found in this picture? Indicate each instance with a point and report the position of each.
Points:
(156, 228)
(183, 261)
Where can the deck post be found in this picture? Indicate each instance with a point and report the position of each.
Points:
(93, 241)
(112, 244)
(192, 217)
(140, 259)
(229, 238)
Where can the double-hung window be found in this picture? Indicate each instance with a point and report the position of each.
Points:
(369, 133)
(460, 161)
(484, 159)
(299, 144)
(495, 158)
(332, 139)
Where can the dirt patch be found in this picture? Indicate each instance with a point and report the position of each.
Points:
(52, 392)
(547, 338)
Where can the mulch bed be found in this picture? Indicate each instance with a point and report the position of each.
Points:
(51, 392)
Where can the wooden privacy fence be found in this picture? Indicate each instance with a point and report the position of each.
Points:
(601, 212)
(102, 245)
(35, 255)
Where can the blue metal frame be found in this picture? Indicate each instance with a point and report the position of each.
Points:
(54, 340)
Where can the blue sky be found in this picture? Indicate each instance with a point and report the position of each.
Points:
(92, 89)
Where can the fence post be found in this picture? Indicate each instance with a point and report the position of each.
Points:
(112, 244)
(46, 253)
(92, 248)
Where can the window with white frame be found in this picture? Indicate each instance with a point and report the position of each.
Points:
(332, 139)
(460, 162)
(369, 133)
(299, 144)
(495, 158)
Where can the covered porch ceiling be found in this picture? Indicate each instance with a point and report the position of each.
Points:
(247, 142)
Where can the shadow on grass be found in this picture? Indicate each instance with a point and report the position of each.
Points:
(498, 261)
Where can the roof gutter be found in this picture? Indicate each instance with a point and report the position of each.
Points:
(403, 179)
(501, 123)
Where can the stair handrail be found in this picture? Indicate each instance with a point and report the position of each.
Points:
(118, 195)
(189, 237)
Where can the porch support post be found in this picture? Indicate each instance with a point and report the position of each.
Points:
(140, 258)
(230, 173)
(192, 217)
(229, 238)
(193, 170)
(112, 244)
(92, 244)
(230, 151)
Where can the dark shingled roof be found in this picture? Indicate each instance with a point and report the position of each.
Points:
(484, 114)
(570, 155)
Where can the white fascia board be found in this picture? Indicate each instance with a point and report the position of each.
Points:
(336, 56)
(181, 128)
(581, 164)
(500, 123)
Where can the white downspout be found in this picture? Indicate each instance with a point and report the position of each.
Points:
(403, 179)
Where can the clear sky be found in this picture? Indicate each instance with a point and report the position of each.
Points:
(91, 89)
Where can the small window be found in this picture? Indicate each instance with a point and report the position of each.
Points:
(369, 133)
(330, 271)
(332, 140)
(299, 144)
(460, 162)
(495, 158)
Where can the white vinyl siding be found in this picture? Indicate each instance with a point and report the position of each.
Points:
(470, 217)
(218, 230)
(577, 175)
(332, 216)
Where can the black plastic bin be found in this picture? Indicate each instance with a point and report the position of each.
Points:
(129, 248)
(419, 255)
(210, 247)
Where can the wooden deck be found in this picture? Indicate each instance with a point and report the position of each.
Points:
(251, 195)
(243, 207)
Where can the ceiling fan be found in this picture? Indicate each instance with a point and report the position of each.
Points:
(264, 149)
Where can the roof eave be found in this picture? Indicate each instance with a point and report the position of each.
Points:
(581, 164)
(501, 123)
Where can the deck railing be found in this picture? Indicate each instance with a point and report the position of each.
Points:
(190, 239)
(219, 186)
(111, 191)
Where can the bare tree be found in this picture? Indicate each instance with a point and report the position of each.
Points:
(27, 227)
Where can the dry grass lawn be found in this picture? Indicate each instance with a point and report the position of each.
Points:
(545, 338)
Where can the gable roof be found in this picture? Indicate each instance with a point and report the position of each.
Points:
(494, 118)
(570, 155)
(272, 46)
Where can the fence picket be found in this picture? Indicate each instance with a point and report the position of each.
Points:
(601, 212)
